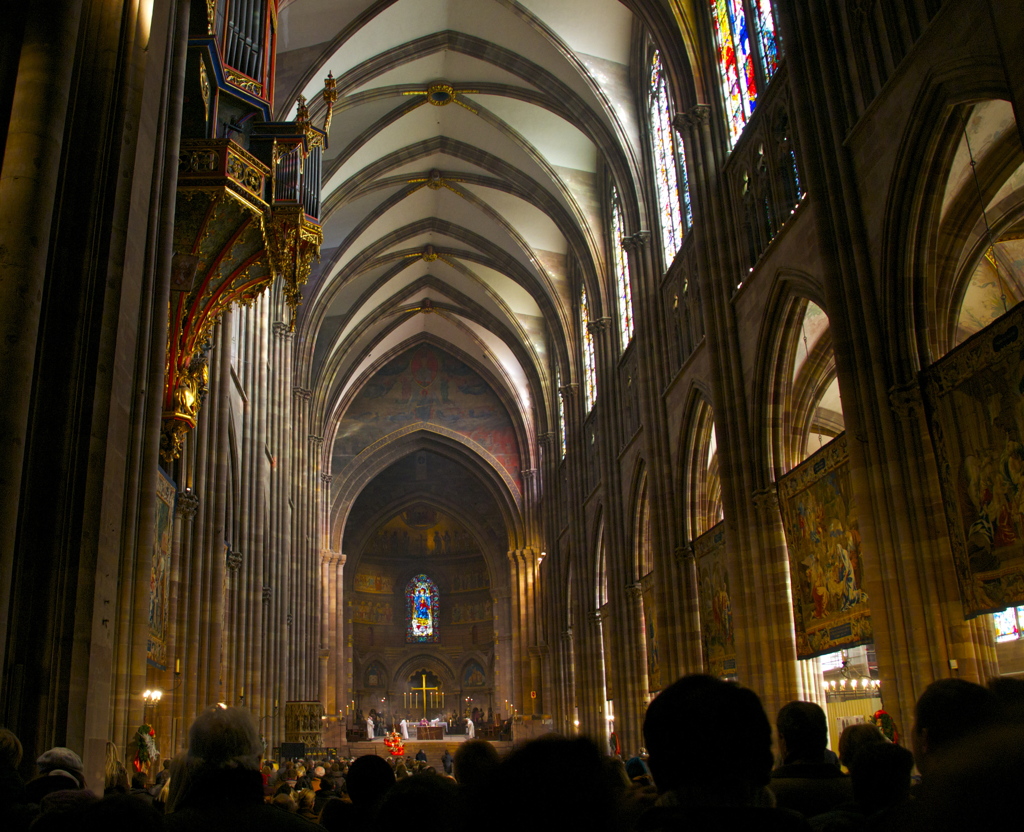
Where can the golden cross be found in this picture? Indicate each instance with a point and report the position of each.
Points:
(424, 690)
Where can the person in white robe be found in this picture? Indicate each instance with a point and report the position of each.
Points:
(404, 725)
(470, 729)
(369, 728)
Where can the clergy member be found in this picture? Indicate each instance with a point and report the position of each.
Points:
(404, 725)
(470, 729)
(369, 727)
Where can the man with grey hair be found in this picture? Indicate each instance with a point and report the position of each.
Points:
(222, 788)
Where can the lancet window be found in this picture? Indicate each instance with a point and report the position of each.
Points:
(621, 263)
(674, 208)
(589, 359)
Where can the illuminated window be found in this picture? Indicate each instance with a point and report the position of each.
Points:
(674, 209)
(621, 273)
(589, 361)
(422, 601)
(731, 20)
(1009, 624)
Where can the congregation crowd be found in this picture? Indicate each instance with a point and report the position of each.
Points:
(709, 764)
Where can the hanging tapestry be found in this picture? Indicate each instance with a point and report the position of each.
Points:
(160, 573)
(651, 634)
(421, 597)
(716, 630)
(830, 610)
(976, 416)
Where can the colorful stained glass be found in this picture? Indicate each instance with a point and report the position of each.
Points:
(621, 273)
(735, 63)
(422, 600)
(589, 360)
(766, 37)
(669, 164)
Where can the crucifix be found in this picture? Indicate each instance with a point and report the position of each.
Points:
(424, 689)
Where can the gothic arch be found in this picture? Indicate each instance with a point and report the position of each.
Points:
(912, 224)
(428, 661)
(700, 481)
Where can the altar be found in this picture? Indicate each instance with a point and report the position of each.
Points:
(429, 732)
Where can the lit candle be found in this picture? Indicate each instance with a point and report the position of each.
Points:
(177, 666)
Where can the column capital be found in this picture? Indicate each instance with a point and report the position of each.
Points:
(599, 325)
(303, 393)
(267, 594)
(905, 400)
(635, 242)
(685, 554)
(326, 479)
(699, 115)
(234, 560)
(547, 437)
(281, 329)
(329, 558)
(767, 500)
(186, 504)
(634, 591)
(569, 391)
(567, 634)
(316, 441)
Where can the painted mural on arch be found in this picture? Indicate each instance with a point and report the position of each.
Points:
(426, 384)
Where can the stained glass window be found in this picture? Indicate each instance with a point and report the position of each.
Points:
(675, 211)
(621, 272)
(735, 63)
(766, 37)
(561, 410)
(589, 361)
(422, 600)
(1009, 624)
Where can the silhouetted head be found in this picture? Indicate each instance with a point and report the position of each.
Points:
(949, 711)
(855, 737)
(369, 779)
(474, 761)
(225, 738)
(703, 730)
(803, 732)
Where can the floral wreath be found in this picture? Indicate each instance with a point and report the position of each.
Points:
(393, 741)
(145, 741)
(887, 725)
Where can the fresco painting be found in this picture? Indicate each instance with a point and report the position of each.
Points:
(427, 384)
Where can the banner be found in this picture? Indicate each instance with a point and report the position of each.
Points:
(976, 416)
(819, 512)
(716, 630)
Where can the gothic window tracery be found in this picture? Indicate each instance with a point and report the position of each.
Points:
(589, 359)
(621, 263)
(674, 208)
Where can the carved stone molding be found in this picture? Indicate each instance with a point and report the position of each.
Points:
(569, 391)
(567, 634)
(595, 616)
(288, 619)
(547, 438)
(905, 400)
(186, 504)
(281, 329)
(267, 593)
(767, 500)
(326, 479)
(234, 560)
(599, 325)
(634, 591)
(316, 441)
(636, 241)
(330, 558)
(303, 393)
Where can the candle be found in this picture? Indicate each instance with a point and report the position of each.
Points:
(177, 666)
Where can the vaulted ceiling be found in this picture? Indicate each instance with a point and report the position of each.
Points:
(463, 191)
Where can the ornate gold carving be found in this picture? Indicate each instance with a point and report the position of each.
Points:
(441, 94)
(211, 16)
(293, 241)
(243, 82)
(330, 97)
(204, 88)
(220, 260)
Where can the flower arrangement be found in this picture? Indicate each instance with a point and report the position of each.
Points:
(145, 742)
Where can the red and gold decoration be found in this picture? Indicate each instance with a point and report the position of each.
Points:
(393, 742)
(145, 747)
